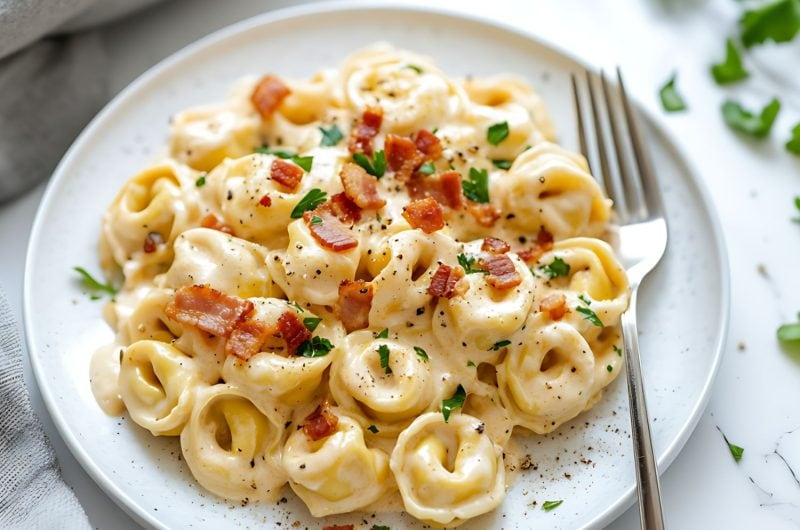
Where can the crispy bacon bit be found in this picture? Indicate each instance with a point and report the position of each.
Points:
(152, 241)
(494, 245)
(355, 302)
(444, 280)
(329, 231)
(544, 243)
(285, 173)
(268, 95)
(320, 423)
(265, 201)
(428, 144)
(293, 331)
(502, 272)
(425, 214)
(484, 213)
(554, 304)
(365, 130)
(207, 309)
(402, 156)
(213, 222)
(343, 208)
(247, 338)
(361, 187)
(445, 188)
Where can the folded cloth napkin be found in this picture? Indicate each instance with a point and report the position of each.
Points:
(32, 493)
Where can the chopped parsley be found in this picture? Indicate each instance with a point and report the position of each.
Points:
(589, 315)
(373, 429)
(671, 99)
(93, 285)
(557, 268)
(742, 120)
(383, 334)
(304, 162)
(789, 332)
(731, 69)
(736, 451)
(297, 306)
(793, 145)
(376, 166)
(380, 527)
(421, 353)
(467, 263)
(454, 402)
(500, 344)
(610, 368)
(777, 21)
(383, 352)
(476, 187)
(315, 347)
(310, 201)
(330, 137)
(501, 164)
(201, 181)
(427, 168)
(617, 349)
(316, 220)
(497, 133)
(414, 67)
(470, 364)
(582, 298)
(797, 205)
(311, 323)
(551, 505)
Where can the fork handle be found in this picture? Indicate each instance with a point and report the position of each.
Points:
(650, 511)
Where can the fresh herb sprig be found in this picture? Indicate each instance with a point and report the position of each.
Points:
(476, 186)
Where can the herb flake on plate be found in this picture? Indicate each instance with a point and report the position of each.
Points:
(743, 120)
(671, 99)
(731, 69)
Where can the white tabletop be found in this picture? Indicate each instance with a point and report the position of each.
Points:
(756, 395)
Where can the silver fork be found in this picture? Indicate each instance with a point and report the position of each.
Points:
(626, 173)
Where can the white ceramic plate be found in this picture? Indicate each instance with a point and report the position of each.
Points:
(588, 463)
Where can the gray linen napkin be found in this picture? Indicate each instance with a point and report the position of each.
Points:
(32, 492)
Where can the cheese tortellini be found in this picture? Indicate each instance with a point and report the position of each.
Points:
(361, 288)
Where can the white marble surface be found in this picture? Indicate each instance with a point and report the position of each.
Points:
(752, 184)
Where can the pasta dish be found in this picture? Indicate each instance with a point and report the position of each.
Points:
(364, 285)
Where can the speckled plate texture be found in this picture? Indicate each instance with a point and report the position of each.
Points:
(588, 462)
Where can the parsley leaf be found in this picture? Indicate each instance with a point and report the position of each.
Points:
(741, 119)
(316, 347)
(92, 284)
(589, 315)
(373, 429)
(551, 505)
(501, 164)
(467, 263)
(383, 352)
(610, 368)
(797, 205)
(297, 306)
(793, 145)
(470, 364)
(582, 298)
(427, 168)
(422, 353)
(303, 161)
(310, 201)
(311, 323)
(778, 21)
(414, 67)
(557, 268)
(454, 402)
(497, 132)
(789, 332)
(500, 344)
(330, 137)
(380, 526)
(376, 167)
(617, 350)
(731, 69)
(267, 150)
(736, 451)
(476, 187)
(316, 220)
(383, 334)
(201, 181)
(671, 99)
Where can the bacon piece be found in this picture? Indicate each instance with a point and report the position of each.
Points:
(268, 95)
(361, 187)
(402, 156)
(425, 214)
(484, 213)
(365, 130)
(494, 245)
(428, 144)
(285, 173)
(213, 222)
(265, 201)
(207, 309)
(151, 242)
(554, 304)
(329, 231)
(444, 280)
(247, 338)
(355, 302)
(544, 243)
(343, 208)
(320, 423)
(293, 331)
(445, 188)
(502, 272)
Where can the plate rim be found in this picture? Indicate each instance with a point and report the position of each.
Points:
(132, 507)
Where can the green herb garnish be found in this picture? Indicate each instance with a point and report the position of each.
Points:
(201, 181)
(671, 100)
(467, 263)
(497, 133)
(736, 451)
(383, 352)
(297, 306)
(617, 350)
(551, 505)
(501, 164)
(310, 201)
(589, 315)
(311, 323)
(414, 67)
(557, 268)
(582, 298)
(373, 429)
(453, 403)
(797, 205)
(741, 119)
(421, 353)
(376, 166)
(777, 21)
(266, 150)
(793, 145)
(731, 69)
(789, 332)
(610, 368)
(316, 220)
(330, 137)
(304, 162)
(427, 168)
(383, 334)
(500, 344)
(316, 347)
(476, 187)
(470, 364)
(380, 527)
(93, 285)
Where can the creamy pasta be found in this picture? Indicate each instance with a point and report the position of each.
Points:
(361, 286)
